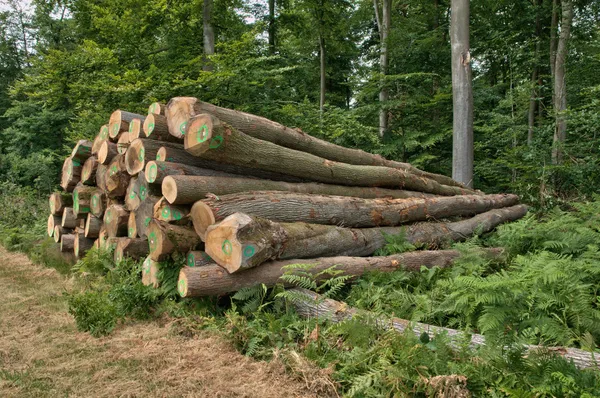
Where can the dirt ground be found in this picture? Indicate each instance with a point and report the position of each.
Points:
(43, 355)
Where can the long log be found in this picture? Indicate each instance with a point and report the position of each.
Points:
(199, 258)
(135, 129)
(157, 171)
(155, 128)
(150, 269)
(71, 174)
(340, 210)
(115, 221)
(98, 203)
(119, 122)
(132, 248)
(165, 238)
(183, 189)
(82, 245)
(316, 306)
(82, 151)
(52, 222)
(181, 109)
(240, 242)
(209, 138)
(58, 201)
(93, 225)
(88, 173)
(108, 150)
(82, 197)
(142, 151)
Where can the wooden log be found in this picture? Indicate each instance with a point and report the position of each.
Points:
(119, 122)
(123, 143)
(179, 155)
(150, 269)
(71, 174)
(108, 150)
(82, 199)
(213, 280)
(240, 242)
(70, 219)
(132, 226)
(115, 221)
(82, 151)
(132, 248)
(141, 151)
(340, 210)
(181, 109)
(52, 222)
(135, 129)
(156, 108)
(103, 133)
(58, 201)
(101, 175)
(155, 128)
(317, 306)
(93, 225)
(82, 245)
(199, 258)
(142, 217)
(165, 238)
(138, 190)
(67, 243)
(117, 178)
(59, 232)
(211, 139)
(98, 203)
(157, 171)
(88, 173)
(164, 211)
(183, 189)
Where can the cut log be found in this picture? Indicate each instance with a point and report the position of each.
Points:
(131, 226)
(70, 219)
(115, 221)
(157, 171)
(340, 210)
(135, 129)
(117, 178)
(180, 189)
(164, 211)
(123, 143)
(141, 151)
(108, 150)
(138, 190)
(59, 232)
(103, 133)
(181, 109)
(82, 199)
(142, 217)
(179, 155)
(93, 225)
(213, 280)
(132, 248)
(156, 108)
(58, 202)
(240, 242)
(98, 203)
(199, 258)
(52, 222)
(209, 138)
(150, 269)
(82, 151)
(82, 245)
(119, 122)
(88, 173)
(165, 238)
(101, 175)
(67, 243)
(316, 306)
(71, 174)
(155, 128)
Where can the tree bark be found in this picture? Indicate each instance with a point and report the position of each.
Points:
(208, 34)
(82, 151)
(157, 171)
(67, 243)
(213, 280)
(533, 98)
(462, 94)
(82, 196)
(554, 39)
(225, 144)
(107, 152)
(322, 72)
(71, 174)
(560, 84)
(115, 221)
(93, 225)
(59, 232)
(156, 128)
(165, 238)
(339, 210)
(58, 202)
(316, 306)
(189, 189)
(199, 258)
(119, 123)
(240, 242)
(132, 248)
(88, 173)
(383, 24)
(181, 109)
(272, 28)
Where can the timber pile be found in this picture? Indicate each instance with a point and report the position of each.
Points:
(242, 197)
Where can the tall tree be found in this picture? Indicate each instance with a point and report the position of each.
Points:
(208, 34)
(384, 22)
(320, 11)
(272, 30)
(462, 94)
(533, 98)
(560, 85)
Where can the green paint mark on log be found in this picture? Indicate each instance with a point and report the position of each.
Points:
(226, 247)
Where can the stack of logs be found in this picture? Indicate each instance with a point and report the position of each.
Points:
(242, 197)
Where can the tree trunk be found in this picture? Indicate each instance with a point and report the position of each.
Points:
(462, 94)
(322, 73)
(88, 172)
(533, 98)
(560, 84)
(58, 202)
(82, 151)
(139, 223)
(156, 108)
(165, 238)
(150, 270)
(213, 280)
(189, 189)
(115, 221)
(272, 29)
(339, 210)
(157, 171)
(163, 211)
(67, 243)
(181, 109)
(119, 123)
(132, 248)
(383, 24)
(553, 39)
(93, 225)
(224, 144)
(82, 196)
(71, 174)
(82, 245)
(107, 152)
(208, 34)
(317, 306)
(199, 258)
(240, 242)
(156, 128)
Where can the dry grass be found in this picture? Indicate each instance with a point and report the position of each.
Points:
(43, 355)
